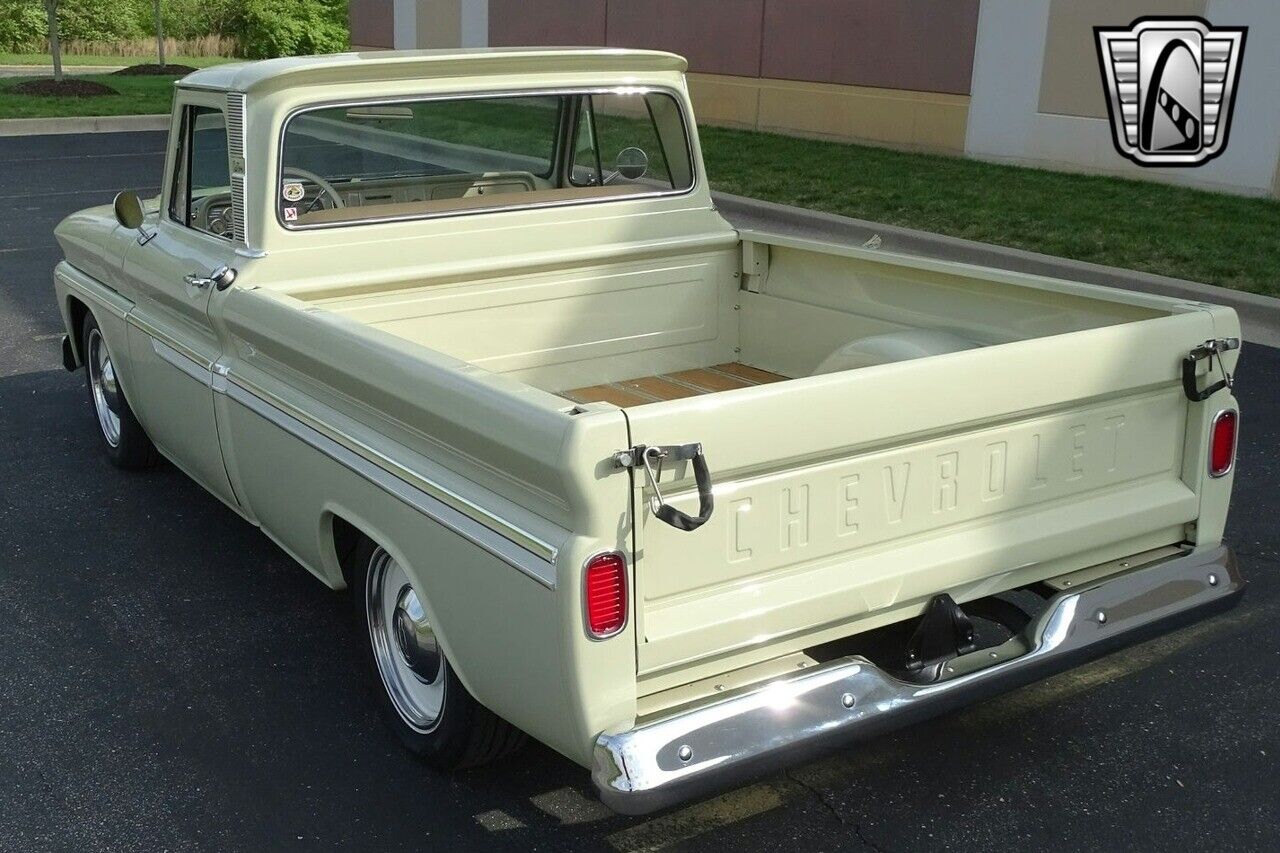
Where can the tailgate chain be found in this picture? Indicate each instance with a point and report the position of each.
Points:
(650, 458)
(1211, 349)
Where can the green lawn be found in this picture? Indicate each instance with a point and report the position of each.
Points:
(1203, 236)
(1216, 238)
(87, 59)
(138, 96)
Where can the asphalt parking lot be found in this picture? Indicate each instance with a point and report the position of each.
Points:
(170, 680)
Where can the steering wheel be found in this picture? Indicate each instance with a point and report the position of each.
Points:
(326, 188)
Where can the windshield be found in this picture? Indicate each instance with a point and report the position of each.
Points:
(404, 159)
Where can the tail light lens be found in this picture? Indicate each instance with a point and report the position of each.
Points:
(605, 594)
(1222, 443)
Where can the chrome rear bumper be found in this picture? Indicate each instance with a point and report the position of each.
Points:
(700, 749)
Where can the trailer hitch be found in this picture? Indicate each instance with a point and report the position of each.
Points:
(650, 458)
(1211, 349)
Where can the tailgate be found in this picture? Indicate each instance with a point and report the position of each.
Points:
(847, 500)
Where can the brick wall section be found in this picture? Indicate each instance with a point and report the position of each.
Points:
(716, 36)
(546, 23)
(918, 45)
(372, 23)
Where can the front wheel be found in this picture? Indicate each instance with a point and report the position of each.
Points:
(421, 697)
(126, 441)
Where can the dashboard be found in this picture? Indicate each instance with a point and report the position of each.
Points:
(212, 214)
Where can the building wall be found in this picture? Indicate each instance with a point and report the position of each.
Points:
(372, 24)
(1037, 92)
(1069, 85)
(1007, 80)
(788, 65)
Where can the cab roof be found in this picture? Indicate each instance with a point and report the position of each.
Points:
(383, 65)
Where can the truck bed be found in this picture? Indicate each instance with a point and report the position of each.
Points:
(652, 330)
(886, 426)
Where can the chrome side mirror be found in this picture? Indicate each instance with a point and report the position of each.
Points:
(128, 208)
(631, 163)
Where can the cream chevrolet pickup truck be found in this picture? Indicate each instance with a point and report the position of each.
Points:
(464, 334)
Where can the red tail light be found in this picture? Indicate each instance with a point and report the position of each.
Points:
(1222, 443)
(605, 594)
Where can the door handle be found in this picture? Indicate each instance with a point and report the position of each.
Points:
(221, 278)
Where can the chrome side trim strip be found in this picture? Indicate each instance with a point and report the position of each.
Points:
(730, 739)
(517, 535)
(218, 379)
(193, 369)
(540, 570)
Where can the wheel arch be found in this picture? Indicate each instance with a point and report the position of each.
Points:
(342, 530)
(75, 314)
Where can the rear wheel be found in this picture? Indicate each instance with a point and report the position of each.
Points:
(126, 441)
(421, 697)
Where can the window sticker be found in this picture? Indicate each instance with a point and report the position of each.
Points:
(290, 214)
(293, 191)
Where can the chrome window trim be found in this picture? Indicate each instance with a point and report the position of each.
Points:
(236, 116)
(1235, 442)
(217, 377)
(183, 157)
(626, 601)
(673, 93)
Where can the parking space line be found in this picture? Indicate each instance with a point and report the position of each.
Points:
(28, 161)
(570, 806)
(701, 818)
(143, 192)
(747, 802)
(496, 820)
(1118, 665)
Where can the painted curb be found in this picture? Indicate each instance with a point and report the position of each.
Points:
(82, 124)
(1259, 315)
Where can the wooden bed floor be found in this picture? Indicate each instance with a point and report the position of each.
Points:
(673, 386)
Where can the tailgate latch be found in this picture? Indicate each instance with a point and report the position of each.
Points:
(1211, 349)
(650, 458)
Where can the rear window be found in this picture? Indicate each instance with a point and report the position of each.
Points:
(389, 160)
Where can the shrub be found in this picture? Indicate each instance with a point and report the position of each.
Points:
(268, 28)
(22, 25)
(262, 28)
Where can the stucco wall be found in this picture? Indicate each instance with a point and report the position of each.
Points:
(1035, 62)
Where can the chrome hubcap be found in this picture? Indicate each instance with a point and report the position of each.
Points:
(414, 637)
(404, 644)
(106, 391)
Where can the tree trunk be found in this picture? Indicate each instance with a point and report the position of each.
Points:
(55, 46)
(159, 34)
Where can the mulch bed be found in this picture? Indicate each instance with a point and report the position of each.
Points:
(150, 68)
(68, 87)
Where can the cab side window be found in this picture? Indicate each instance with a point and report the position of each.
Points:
(620, 141)
(200, 197)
